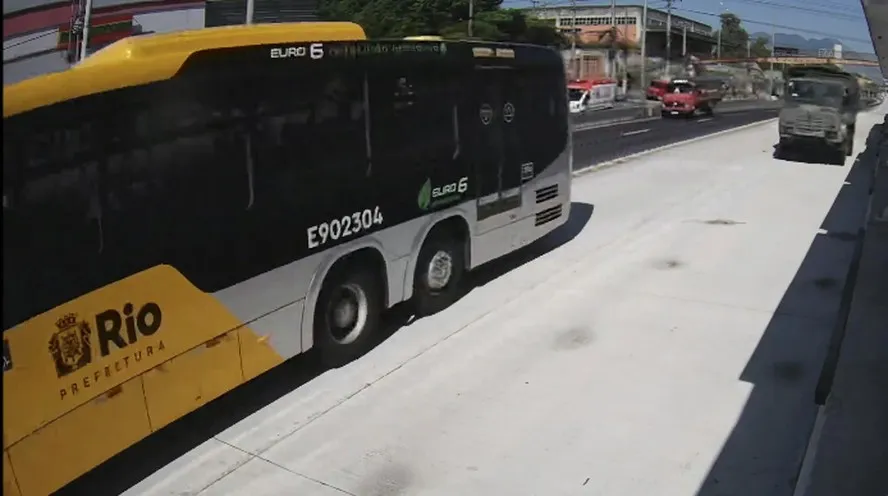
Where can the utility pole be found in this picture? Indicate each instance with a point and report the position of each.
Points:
(471, 15)
(612, 55)
(684, 42)
(668, 35)
(573, 38)
(773, 43)
(718, 46)
(644, 30)
(251, 7)
(87, 16)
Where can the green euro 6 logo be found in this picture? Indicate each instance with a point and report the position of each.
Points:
(425, 195)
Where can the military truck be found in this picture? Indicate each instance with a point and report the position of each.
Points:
(820, 110)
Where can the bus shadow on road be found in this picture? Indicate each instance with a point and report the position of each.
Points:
(763, 453)
(175, 440)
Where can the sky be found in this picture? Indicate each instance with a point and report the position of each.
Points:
(841, 19)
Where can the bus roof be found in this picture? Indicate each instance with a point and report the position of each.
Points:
(145, 59)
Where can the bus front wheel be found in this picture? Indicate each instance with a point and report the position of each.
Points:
(439, 271)
(347, 315)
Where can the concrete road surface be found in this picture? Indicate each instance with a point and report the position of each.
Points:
(645, 349)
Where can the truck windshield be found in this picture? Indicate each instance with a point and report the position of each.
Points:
(680, 88)
(816, 92)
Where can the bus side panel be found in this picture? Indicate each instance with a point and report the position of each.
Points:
(192, 379)
(63, 450)
(10, 486)
(66, 357)
(270, 340)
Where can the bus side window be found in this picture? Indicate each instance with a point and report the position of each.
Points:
(52, 245)
(178, 185)
(543, 130)
(411, 107)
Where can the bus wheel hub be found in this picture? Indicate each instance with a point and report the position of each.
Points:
(440, 270)
(348, 314)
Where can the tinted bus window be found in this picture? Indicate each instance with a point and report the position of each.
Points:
(411, 110)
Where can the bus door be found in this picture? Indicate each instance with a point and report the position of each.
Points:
(492, 119)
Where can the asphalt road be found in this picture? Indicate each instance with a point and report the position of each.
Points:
(631, 109)
(601, 144)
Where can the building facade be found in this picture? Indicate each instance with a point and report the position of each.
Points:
(590, 24)
(42, 36)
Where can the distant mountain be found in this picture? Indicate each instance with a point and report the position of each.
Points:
(796, 41)
(810, 46)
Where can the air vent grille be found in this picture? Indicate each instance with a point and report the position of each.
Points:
(548, 215)
(547, 193)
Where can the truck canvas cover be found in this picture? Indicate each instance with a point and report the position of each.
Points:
(824, 72)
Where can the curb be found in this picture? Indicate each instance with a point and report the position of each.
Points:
(610, 163)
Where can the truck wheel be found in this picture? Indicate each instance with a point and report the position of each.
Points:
(439, 271)
(347, 315)
(838, 154)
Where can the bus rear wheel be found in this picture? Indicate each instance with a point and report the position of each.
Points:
(439, 272)
(347, 315)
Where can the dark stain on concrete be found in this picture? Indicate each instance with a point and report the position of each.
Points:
(393, 479)
(573, 338)
(722, 222)
(668, 264)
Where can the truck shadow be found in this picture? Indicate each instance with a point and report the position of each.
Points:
(173, 441)
(808, 155)
(762, 455)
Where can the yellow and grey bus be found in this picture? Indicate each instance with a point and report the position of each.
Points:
(183, 212)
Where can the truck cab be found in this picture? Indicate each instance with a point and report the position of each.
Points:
(685, 97)
(656, 90)
(820, 110)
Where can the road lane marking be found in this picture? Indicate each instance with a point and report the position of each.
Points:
(704, 119)
(616, 122)
(633, 133)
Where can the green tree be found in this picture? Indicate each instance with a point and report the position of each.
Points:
(733, 37)
(449, 18)
(760, 47)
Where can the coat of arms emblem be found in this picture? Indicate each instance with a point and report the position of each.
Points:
(69, 345)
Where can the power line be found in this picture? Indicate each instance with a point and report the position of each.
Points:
(829, 5)
(781, 26)
(809, 10)
(717, 15)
